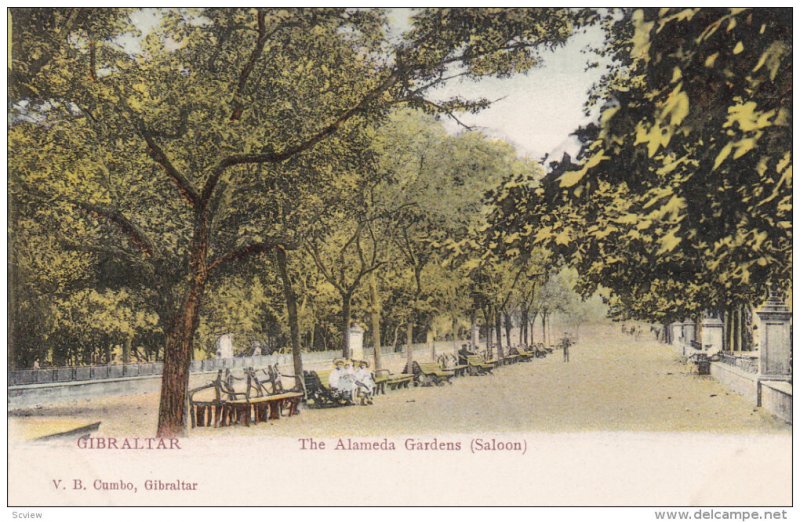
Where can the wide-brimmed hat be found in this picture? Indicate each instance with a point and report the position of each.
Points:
(362, 362)
(337, 362)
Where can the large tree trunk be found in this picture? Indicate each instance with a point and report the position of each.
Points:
(523, 327)
(747, 328)
(508, 325)
(394, 339)
(180, 338)
(346, 313)
(291, 309)
(126, 350)
(472, 324)
(409, 348)
(177, 357)
(499, 329)
(544, 329)
(728, 329)
(739, 328)
(375, 319)
(454, 327)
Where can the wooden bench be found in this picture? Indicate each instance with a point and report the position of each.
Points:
(207, 412)
(459, 369)
(429, 373)
(449, 362)
(273, 377)
(227, 408)
(493, 361)
(478, 366)
(523, 354)
(541, 350)
(268, 407)
(511, 358)
(385, 378)
(319, 392)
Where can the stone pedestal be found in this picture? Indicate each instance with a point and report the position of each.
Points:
(476, 335)
(356, 342)
(688, 332)
(224, 346)
(775, 340)
(676, 331)
(712, 334)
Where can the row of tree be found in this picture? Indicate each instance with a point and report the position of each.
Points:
(280, 172)
(229, 146)
(679, 202)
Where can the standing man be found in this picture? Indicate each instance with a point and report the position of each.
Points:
(565, 346)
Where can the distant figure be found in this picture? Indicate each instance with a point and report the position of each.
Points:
(463, 353)
(565, 345)
(36, 364)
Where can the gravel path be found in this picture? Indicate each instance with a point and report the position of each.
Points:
(613, 383)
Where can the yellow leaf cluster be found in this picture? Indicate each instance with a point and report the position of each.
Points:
(670, 241)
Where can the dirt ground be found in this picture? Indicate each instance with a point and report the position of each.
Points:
(612, 383)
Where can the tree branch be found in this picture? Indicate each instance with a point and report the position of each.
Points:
(185, 187)
(304, 144)
(238, 104)
(136, 235)
(246, 251)
(109, 250)
(312, 250)
(441, 108)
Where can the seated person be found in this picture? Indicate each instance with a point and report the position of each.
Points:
(342, 380)
(463, 353)
(335, 375)
(364, 382)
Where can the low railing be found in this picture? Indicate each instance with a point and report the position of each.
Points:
(142, 369)
(746, 363)
(145, 369)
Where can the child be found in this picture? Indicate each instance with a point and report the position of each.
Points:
(365, 383)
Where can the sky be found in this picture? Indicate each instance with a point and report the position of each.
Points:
(536, 112)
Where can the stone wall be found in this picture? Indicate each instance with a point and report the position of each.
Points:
(65, 393)
(776, 398)
(743, 383)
